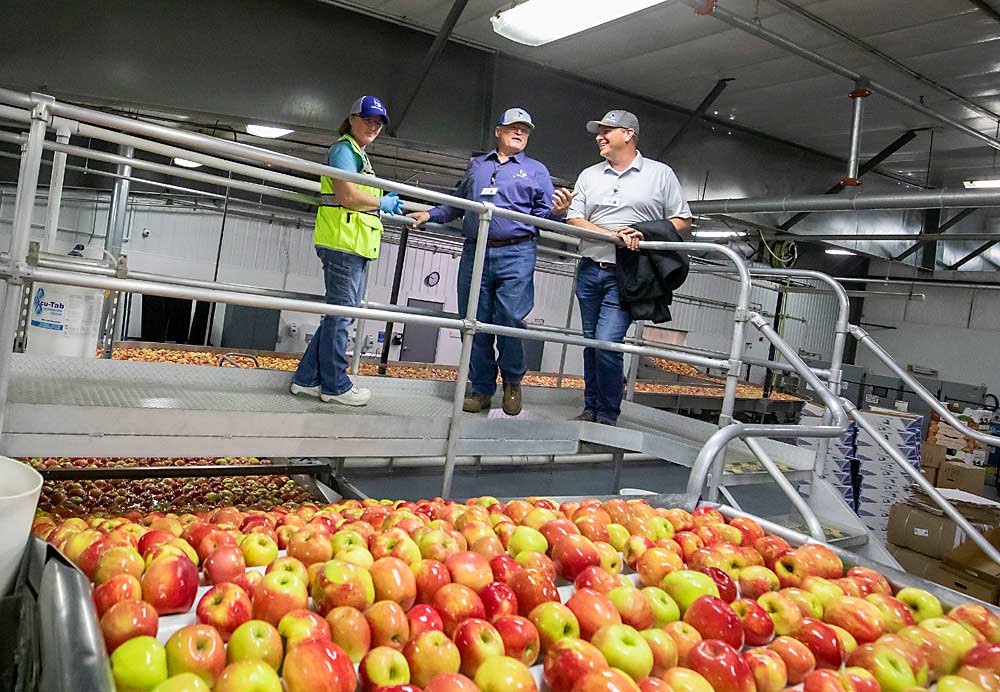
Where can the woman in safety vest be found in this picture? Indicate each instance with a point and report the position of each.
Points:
(347, 235)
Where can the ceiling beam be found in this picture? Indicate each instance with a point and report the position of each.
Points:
(867, 166)
(974, 254)
(430, 58)
(696, 115)
(940, 229)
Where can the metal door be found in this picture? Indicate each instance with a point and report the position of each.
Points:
(420, 342)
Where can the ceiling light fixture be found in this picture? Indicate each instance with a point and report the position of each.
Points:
(184, 163)
(982, 184)
(839, 251)
(267, 131)
(719, 234)
(537, 22)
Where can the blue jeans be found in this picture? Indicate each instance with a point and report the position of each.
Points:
(506, 296)
(325, 361)
(602, 318)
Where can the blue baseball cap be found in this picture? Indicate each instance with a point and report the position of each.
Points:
(368, 106)
(516, 115)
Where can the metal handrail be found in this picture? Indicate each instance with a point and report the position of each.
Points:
(812, 521)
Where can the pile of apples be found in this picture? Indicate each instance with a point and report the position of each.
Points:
(438, 596)
(182, 357)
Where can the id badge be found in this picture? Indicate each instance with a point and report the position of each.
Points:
(489, 192)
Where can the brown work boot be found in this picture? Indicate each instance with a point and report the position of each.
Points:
(512, 398)
(587, 416)
(475, 402)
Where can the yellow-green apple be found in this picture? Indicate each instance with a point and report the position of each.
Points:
(859, 617)
(664, 608)
(429, 576)
(477, 640)
(895, 614)
(824, 589)
(538, 517)
(526, 538)
(255, 640)
(723, 582)
(225, 607)
(469, 569)
(664, 650)
(77, 543)
(617, 536)
(730, 534)
(785, 614)
(118, 560)
(423, 618)
(357, 556)
(288, 564)
(389, 625)
(350, 631)
(635, 546)
(687, 586)
(656, 563)
(278, 593)
(569, 660)
(393, 581)
(756, 580)
(685, 637)
(532, 587)
(715, 619)
(624, 648)
(957, 638)
(611, 560)
(985, 655)
(346, 538)
(597, 579)
(127, 619)
(197, 649)
(750, 529)
(341, 583)
(122, 587)
(520, 637)
(792, 568)
(981, 677)
(185, 682)
(847, 641)
(875, 582)
(430, 654)
(455, 603)
(258, 549)
(758, 627)
(139, 664)
(593, 611)
(633, 607)
(504, 674)
(686, 680)
(911, 651)
(768, 669)
(956, 683)
(450, 682)
(170, 584)
(383, 667)
(318, 666)
(530, 559)
(822, 641)
(979, 618)
(807, 601)
(890, 667)
(297, 626)
(248, 676)
(799, 660)
(437, 544)
(941, 659)
(922, 604)
(224, 565)
(504, 567)
(721, 665)
(554, 621)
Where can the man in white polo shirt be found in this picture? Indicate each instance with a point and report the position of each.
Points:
(610, 196)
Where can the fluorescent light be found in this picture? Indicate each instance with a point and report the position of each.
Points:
(719, 234)
(537, 22)
(982, 184)
(267, 131)
(838, 251)
(184, 163)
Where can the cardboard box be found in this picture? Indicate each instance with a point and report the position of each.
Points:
(922, 532)
(964, 583)
(953, 474)
(932, 455)
(931, 474)
(970, 560)
(914, 563)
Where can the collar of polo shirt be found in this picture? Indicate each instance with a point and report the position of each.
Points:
(636, 164)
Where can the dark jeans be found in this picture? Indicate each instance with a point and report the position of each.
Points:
(325, 361)
(506, 296)
(602, 318)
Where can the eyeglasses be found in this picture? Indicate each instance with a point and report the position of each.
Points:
(520, 129)
(371, 121)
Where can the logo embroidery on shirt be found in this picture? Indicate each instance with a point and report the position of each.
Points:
(521, 174)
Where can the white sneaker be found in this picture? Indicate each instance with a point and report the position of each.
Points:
(355, 396)
(305, 391)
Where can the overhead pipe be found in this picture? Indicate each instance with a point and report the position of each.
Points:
(944, 198)
(858, 96)
(760, 32)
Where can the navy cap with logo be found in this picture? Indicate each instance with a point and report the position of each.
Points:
(370, 106)
(616, 118)
(516, 115)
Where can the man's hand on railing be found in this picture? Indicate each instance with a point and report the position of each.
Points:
(630, 236)
(419, 218)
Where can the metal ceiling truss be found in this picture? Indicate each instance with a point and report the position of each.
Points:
(939, 230)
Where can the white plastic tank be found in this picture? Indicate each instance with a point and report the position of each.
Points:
(64, 320)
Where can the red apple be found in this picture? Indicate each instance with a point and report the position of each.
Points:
(423, 618)
(724, 583)
(715, 619)
(722, 666)
(593, 611)
(979, 618)
(633, 606)
(758, 628)
(350, 631)
(429, 575)
(750, 529)
(980, 677)
(388, 624)
(532, 587)
(450, 682)
(799, 660)
(455, 603)
(664, 650)
(771, 548)
(768, 669)
(196, 649)
(278, 593)
(127, 619)
(477, 640)
(569, 660)
(596, 578)
(605, 680)
(985, 655)
(297, 626)
(122, 587)
(470, 569)
(339, 583)
(822, 642)
(656, 563)
(225, 607)
(504, 567)
(756, 580)
(895, 614)
(520, 638)
(498, 600)
(685, 637)
(859, 617)
(170, 584)
(877, 583)
(394, 581)
(224, 565)
(785, 615)
(572, 554)
(318, 666)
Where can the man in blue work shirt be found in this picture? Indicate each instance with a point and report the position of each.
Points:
(511, 180)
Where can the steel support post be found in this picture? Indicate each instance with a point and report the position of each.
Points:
(397, 278)
(633, 363)
(569, 323)
(114, 237)
(27, 188)
(860, 93)
(55, 192)
(468, 333)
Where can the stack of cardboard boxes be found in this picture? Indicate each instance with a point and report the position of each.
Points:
(961, 462)
(841, 458)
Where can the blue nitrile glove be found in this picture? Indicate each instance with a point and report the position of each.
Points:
(391, 204)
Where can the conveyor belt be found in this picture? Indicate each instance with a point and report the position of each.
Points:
(95, 407)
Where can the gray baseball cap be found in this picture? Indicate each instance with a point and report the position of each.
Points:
(615, 119)
(516, 115)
